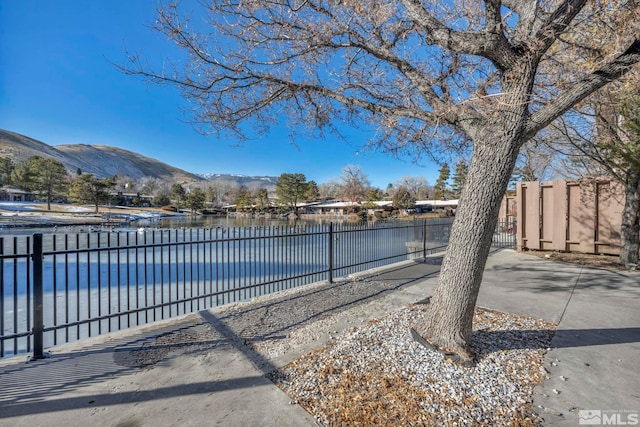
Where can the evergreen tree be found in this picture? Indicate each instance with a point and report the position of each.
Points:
(6, 167)
(178, 194)
(374, 195)
(195, 200)
(441, 189)
(161, 199)
(262, 199)
(291, 188)
(403, 199)
(313, 193)
(459, 178)
(45, 176)
(243, 199)
(210, 196)
(88, 189)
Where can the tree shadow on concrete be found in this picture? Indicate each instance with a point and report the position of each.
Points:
(543, 277)
(487, 342)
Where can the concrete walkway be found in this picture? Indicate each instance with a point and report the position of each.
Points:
(198, 370)
(594, 361)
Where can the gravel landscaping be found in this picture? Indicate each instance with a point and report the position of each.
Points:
(378, 375)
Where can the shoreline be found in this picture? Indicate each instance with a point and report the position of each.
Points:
(26, 215)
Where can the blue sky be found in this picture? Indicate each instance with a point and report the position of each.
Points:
(58, 85)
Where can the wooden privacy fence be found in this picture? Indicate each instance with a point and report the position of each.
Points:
(576, 216)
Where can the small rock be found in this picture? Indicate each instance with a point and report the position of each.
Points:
(552, 411)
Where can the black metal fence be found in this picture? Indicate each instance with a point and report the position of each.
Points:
(58, 288)
(505, 234)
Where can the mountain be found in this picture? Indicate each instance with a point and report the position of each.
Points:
(251, 182)
(100, 160)
(104, 161)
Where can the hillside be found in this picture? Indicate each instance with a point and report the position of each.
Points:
(104, 161)
(251, 182)
(100, 160)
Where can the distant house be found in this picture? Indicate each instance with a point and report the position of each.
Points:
(132, 199)
(8, 194)
(431, 205)
(334, 208)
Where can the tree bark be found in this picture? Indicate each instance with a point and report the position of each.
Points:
(630, 229)
(451, 308)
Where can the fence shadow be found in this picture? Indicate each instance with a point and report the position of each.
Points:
(265, 319)
(35, 387)
(55, 384)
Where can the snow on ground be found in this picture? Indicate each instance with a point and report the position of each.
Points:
(75, 209)
(32, 213)
(18, 206)
(29, 206)
(64, 208)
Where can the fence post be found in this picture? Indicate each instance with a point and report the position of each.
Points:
(330, 252)
(424, 239)
(38, 307)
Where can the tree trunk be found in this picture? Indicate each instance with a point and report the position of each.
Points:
(451, 309)
(630, 229)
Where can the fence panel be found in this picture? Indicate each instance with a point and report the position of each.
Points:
(15, 295)
(581, 216)
(95, 283)
(505, 234)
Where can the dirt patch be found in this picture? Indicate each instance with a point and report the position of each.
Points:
(192, 338)
(610, 262)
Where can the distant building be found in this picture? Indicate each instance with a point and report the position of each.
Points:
(132, 199)
(432, 205)
(8, 194)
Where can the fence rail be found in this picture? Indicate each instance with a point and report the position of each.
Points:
(60, 288)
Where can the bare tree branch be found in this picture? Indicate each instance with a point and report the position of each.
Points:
(490, 44)
(583, 88)
(557, 23)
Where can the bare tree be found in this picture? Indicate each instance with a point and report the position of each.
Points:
(427, 75)
(354, 184)
(125, 184)
(603, 138)
(150, 185)
(418, 186)
(536, 161)
(330, 189)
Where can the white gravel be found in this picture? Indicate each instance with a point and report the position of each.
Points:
(378, 375)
